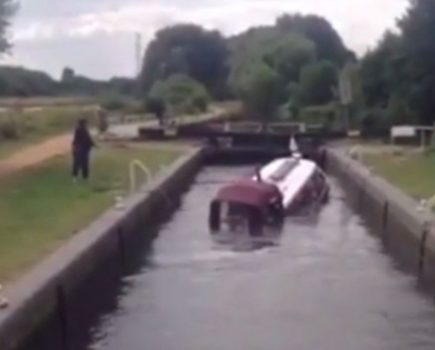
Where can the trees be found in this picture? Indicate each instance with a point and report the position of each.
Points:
(317, 29)
(17, 81)
(157, 107)
(399, 75)
(186, 49)
(181, 93)
(379, 70)
(270, 61)
(282, 64)
(68, 75)
(260, 89)
(418, 49)
(7, 10)
(316, 83)
(288, 54)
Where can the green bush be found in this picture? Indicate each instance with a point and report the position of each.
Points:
(9, 130)
(328, 116)
(316, 83)
(155, 106)
(181, 93)
(200, 102)
(114, 103)
(44, 122)
(375, 122)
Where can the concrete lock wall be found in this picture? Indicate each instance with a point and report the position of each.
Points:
(46, 291)
(406, 233)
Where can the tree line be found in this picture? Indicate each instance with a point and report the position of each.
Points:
(275, 70)
(398, 75)
(286, 70)
(22, 82)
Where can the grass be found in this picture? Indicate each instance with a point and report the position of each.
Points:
(45, 121)
(12, 102)
(18, 130)
(414, 173)
(41, 208)
(9, 147)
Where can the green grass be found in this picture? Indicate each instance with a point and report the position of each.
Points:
(41, 208)
(8, 147)
(18, 130)
(46, 121)
(413, 173)
(12, 102)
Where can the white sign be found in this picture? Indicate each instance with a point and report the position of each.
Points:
(403, 131)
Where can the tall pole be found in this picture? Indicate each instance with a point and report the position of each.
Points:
(345, 91)
(138, 53)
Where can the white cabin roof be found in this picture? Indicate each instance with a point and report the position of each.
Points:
(300, 170)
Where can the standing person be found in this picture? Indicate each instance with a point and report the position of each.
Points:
(81, 149)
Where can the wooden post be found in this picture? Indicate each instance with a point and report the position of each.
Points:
(423, 139)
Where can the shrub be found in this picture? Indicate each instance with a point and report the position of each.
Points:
(200, 102)
(9, 130)
(114, 103)
(375, 122)
(155, 106)
(181, 93)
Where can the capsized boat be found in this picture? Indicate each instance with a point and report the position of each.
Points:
(283, 187)
(246, 205)
(300, 181)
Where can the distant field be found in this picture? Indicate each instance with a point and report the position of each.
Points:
(30, 126)
(40, 208)
(46, 101)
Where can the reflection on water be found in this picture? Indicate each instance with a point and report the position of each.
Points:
(242, 241)
(322, 282)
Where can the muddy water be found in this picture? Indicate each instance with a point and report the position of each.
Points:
(323, 282)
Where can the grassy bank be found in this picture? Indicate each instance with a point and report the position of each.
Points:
(40, 122)
(42, 207)
(414, 173)
(20, 129)
(12, 102)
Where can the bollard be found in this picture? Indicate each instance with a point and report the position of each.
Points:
(63, 317)
(423, 249)
(121, 248)
(4, 303)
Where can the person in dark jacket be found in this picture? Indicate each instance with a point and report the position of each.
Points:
(81, 149)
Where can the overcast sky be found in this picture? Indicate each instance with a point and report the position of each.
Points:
(96, 37)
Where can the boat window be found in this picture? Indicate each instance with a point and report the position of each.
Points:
(236, 209)
(235, 215)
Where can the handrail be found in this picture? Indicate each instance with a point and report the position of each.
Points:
(256, 127)
(431, 203)
(283, 127)
(4, 303)
(137, 164)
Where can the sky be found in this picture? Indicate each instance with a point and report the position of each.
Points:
(97, 37)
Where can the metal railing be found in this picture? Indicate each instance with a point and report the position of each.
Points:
(134, 165)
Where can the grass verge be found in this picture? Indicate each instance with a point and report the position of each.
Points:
(412, 172)
(18, 130)
(42, 207)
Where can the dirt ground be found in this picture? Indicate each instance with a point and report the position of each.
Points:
(34, 155)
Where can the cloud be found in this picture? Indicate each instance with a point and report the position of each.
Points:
(82, 22)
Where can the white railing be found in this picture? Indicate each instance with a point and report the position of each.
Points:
(427, 204)
(134, 165)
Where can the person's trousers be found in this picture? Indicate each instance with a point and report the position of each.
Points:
(81, 164)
